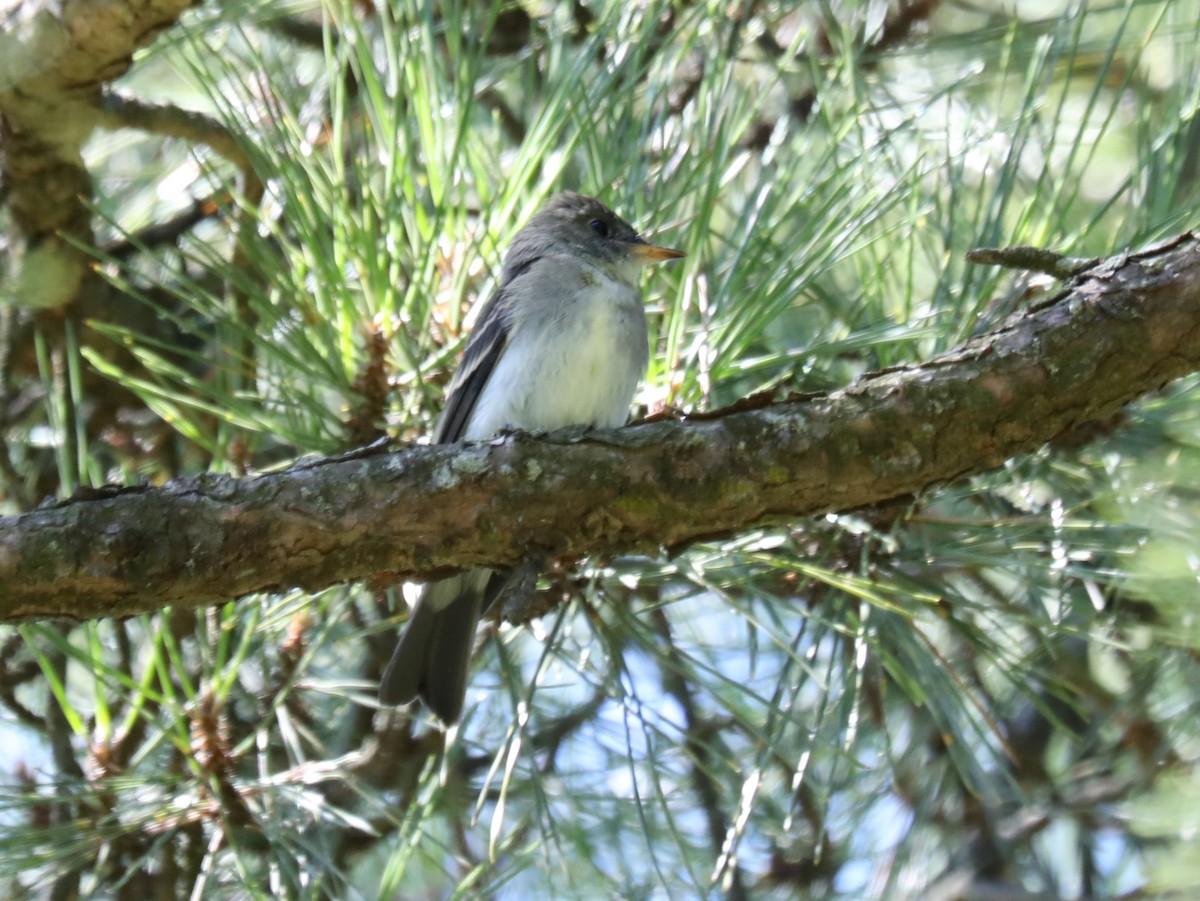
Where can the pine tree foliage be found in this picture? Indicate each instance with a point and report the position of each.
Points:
(990, 687)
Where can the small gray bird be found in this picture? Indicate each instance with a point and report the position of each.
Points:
(561, 343)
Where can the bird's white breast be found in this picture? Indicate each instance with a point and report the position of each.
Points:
(573, 358)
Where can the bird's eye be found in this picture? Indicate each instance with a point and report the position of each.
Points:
(600, 227)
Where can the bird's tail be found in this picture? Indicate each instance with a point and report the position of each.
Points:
(432, 660)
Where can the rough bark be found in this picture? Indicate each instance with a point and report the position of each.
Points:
(1123, 327)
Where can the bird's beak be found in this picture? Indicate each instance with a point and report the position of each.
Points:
(652, 253)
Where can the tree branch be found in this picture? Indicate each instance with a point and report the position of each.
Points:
(117, 111)
(1123, 328)
(54, 60)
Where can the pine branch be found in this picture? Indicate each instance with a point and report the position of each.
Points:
(1125, 327)
(54, 61)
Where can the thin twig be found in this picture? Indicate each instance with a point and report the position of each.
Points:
(1031, 259)
(167, 232)
(699, 750)
(118, 111)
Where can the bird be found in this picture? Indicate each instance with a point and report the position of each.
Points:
(561, 342)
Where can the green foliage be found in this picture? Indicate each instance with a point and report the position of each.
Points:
(869, 705)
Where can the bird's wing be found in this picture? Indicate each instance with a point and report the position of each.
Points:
(484, 347)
